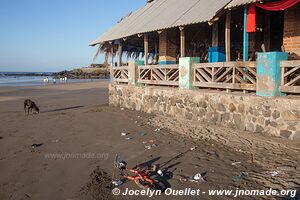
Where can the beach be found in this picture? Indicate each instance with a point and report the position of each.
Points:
(67, 150)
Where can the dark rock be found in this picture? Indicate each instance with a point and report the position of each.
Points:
(285, 133)
(241, 108)
(201, 112)
(202, 104)
(189, 116)
(226, 117)
(221, 107)
(232, 108)
(273, 124)
(237, 118)
(276, 114)
(259, 129)
(119, 92)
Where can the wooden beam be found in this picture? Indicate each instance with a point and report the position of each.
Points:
(120, 52)
(227, 35)
(146, 48)
(215, 34)
(182, 42)
(267, 31)
(112, 54)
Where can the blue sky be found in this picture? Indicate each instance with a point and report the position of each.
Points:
(53, 35)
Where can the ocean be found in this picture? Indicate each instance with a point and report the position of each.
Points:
(31, 79)
(23, 78)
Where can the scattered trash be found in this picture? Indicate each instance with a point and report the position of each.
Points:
(193, 148)
(135, 122)
(236, 163)
(36, 145)
(150, 146)
(124, 134)
(142, 134)
(129, 138)
(148, 123)
(28, 195)
(156, 130)
(117, 183)
(199, 177)
(139, 116)
(122, 108)
(274, 173)
(144, 142)
(239, 177)
(159, 172)
(55, 141)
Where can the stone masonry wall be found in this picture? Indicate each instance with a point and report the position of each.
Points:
(291, 37)
(273, 116)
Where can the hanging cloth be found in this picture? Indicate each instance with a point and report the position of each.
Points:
(270, 6)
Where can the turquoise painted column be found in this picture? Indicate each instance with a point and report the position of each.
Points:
(186, 71)
(246, 36)
(132, 72)
(269, 73)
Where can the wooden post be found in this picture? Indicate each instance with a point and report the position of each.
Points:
(227, 35)
(267, 31)
(146, 48)
(182, 42)
(120, 52)
(112, 54)
(215, 34)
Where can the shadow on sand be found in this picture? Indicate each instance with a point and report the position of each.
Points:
(62, 109)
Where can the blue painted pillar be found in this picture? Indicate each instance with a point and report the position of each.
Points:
(186, 72)
(269, 73)
(246, 36)
(132, 72)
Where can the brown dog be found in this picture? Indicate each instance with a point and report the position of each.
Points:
(30, 105)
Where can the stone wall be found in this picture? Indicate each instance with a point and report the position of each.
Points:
(278, 116)
(291, 37)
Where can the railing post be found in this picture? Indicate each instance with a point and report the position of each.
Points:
(186, 73)
(269, 73)
(132, 73)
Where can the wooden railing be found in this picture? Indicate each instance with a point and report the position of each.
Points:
(120, 74)
(159, 75)
(290, 76)
(225, 75)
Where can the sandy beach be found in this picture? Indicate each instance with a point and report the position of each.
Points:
(76, 136)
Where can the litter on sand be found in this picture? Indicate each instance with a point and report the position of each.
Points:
(193, 148)
(274, 173)
(36, 145)
(150, 146)
(124, 134)
(117, 183)
(142, 133)
(239, 177)
(156, 130)
(236, 163)
(159, 172)
(129, 138)
(197, 178)
(122, 108)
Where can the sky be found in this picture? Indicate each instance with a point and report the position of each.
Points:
(53, 35)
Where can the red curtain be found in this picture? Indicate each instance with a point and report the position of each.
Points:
(270, 6)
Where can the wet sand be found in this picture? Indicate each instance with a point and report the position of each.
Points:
(76, 124)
